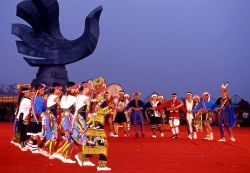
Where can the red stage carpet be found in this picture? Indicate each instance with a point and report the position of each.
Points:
(128, 154)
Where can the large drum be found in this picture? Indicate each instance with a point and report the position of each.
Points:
(113, 89)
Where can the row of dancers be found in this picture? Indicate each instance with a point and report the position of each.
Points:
(54, 122)
(199, 113)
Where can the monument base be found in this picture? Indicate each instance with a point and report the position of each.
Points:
(49, 74)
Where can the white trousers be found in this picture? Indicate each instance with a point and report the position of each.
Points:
(174, 123)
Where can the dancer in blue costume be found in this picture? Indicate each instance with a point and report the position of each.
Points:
(206, 107)
(225, 113)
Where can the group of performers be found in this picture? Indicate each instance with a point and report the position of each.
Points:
(200, 113)
(205, 112)
(60, 121)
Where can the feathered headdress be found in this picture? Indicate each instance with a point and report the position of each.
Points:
(224, 85)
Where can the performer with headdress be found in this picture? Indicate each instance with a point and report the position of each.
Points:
(136, 106)
(39, 105)
(67, 103)
(24, 111)
(107, 101)
(119, 113)
(154, 115)
(205, 107)
(95, 139)
(53, 102)
(226, 114)
(173, 107)
(161, 99)
(16, 138)
(188, 106)
(197, 118)
(49, 134)
(49, 119)
(164, 112)
(79, 124)
(99, 88)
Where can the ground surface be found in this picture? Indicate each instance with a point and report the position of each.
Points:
(128, 154)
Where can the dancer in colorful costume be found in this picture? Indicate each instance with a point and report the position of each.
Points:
(80, 125)
(188, 106)
(136, 106)
(23, 114)
(120, 117)
(67, 103)
(226, 114)
(197, 117)
(173, 107)
(96, 139)
(50, 126)
(34, 128)
(205, 107)
(154, 115)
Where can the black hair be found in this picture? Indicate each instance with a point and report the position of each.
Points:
(70, 84)
(81, 89)
(56, 84)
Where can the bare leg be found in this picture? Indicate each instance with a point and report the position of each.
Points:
(125, 128)
(110, 124)
(116, 128)
(206, 128)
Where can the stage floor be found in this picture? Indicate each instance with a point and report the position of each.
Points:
(130, 154)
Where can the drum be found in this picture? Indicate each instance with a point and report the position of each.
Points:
(113, 89)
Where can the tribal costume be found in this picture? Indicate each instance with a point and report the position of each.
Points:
(188, 106)
(120, 112)
(22, 119)
(49, 131)
(52, 105)
(197, 117)
(206, 107)
(136, 107)
(173, 106)
(154, 115)
(49, 124)
(34, 128)
(120, 117)
(225, 113)
(96, 141)
(65, 147)
(50, 120)
(35, 124)
(67, 104)
(92, 134)
(107, 101)
(80, 127)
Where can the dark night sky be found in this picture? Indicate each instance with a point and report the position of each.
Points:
(150, 45)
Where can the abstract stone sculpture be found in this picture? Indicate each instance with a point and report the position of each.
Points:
(44, 45)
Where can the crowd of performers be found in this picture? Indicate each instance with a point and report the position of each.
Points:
(58, 120)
